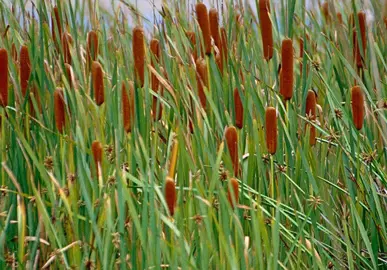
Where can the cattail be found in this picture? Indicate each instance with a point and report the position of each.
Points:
(92, 46)
(192, 38)
(202, 17)
(301, 41)
(238, 106)
(69, 75)
(325, 12)
(310, 110)
(96, 148)
(98, 86)
(67, 40)
(224, 44)
(155, 50)
(214, 27)
(14, 52)
(170, 195)
(127, 106)
(25, 69)
(233, 192)
(56, 24)
(286, 78)
(266, 29)
(202, 80)
(59, 109)
(231, 137)
(358, 55)
(34, 92)
(218, 60)
(3, 78)
(357, 106)
(139, 54)
(271, 129)
(339, 17)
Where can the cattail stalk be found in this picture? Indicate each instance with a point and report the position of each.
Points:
(97, 150)
(170, 195)
(357, 106)
(25, 69)
(3, 78)
(238, 106)
(310, 110)
(59, 109)
(202, 17)
(67, 40)
(98, 86)
(266, 29)
(127, 106)
(286, 78)
(231, 137)
(233, 192)
(139, 54)
(358, 53)
(202, 80)
(271, 129)
(155, 50)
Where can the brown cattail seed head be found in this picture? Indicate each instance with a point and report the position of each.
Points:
(286, 78)
(271, 129)
(231, 137)
(96, 148)
(3, 78)
(202, 80)
(98, 86)
(170, 195)
(310, 110)
(155, 50)
(127, 106)
(325, 12)
(358, 54)
(224, 43)
(202, 17)
(214, 27)
(301, 42)
(56, 24)
(339, 17)
(69, 75)
(92, 46)
(67, 40)
(25, 69)
(357, 106)
(192, 38)
(238, 106)
(266, 29)
(59, 109)
(233, 192)
(139, 54)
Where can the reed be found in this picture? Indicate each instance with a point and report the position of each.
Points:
(266, 29)
(202, 17)
(233, 192)
(170, 195)
(3, 78)
(202, 80)
(59, 110)
(310, 111)
(127, 106)
(271, 129)
(286, 77)
(97, 150)
(357, 99)
(231, 137)
(67, 40)
(98, 86)
(155, 84)
(25, 69)
(238, 107)
(139, 54)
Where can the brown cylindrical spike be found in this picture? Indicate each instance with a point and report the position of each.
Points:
(139, 54)
(67, 40)
(233, 192)
(97, 149)
(98, 86)
(224, 44)
(170, 195)
(3, 78)
(238, 106)
(266, 29)
(325, 12)
(56, 24)
(286, 78)
(127, 106)
(155, 50)
(192, 38)
(358, 54)
(69, 75)
(271, 130)
(202, 17)
(231, 137)
(202, 80)
(339, 17)
(25, 69)
(310, 110)
(59, 109)
(214, 27)
(357, 106)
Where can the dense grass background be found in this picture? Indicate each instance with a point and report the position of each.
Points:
(328, 209)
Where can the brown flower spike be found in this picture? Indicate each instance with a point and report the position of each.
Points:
(25, 69)
(59, 109)
(266, 29)
(214, 27)
(192, 38)
(67, 40)
(98, 86)
(3, 78)
(238, 106)
(155, 50)
(233, 192)
(358, 54)
(224, 44)
(96, 148)
(202, 17)
(310, 110)
(357, 106)
(170, 195)
(271, 129)
(231, 137)
(139, 54)
(286, 78)
(202, 80)
(56, 24)
(127, 106)
(92, 46)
